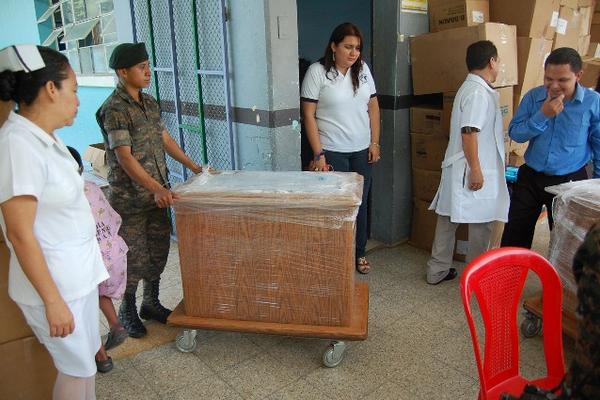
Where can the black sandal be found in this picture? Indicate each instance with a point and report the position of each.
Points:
(115, 337)
(105, 365)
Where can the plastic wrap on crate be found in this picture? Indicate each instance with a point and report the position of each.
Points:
(575, 209)
(269, 246)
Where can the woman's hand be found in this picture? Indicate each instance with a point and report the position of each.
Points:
(60, 319)
(320, 164)
(374, 153)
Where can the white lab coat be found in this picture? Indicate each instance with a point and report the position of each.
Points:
(477, 105)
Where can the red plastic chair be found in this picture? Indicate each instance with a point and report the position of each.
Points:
(497, 279)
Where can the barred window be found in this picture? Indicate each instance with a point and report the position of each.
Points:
(84, 30)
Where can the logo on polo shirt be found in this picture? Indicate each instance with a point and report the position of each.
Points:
(362, 78)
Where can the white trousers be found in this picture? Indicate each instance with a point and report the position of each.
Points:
(442, 250)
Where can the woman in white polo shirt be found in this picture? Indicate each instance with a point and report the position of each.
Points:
(56, 264)
(341, 118)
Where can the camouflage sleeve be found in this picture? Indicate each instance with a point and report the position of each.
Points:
(116, 127)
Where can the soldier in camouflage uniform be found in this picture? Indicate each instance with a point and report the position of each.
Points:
(583, 378)
(136, 140)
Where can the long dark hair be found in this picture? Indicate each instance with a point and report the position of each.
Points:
(337, 36)
(23, 87)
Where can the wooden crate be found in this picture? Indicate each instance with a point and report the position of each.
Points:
(269, 247)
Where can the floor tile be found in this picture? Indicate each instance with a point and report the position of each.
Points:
(258, 377)
(167, 369)
(206, 389)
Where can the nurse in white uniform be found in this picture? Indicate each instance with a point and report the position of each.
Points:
(473, 188)
(56, 264)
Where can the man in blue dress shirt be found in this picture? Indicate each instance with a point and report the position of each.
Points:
(561, 121)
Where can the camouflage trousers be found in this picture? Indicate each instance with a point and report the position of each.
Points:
(583, 377)
(148, 236)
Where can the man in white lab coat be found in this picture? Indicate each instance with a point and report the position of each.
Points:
(473, 187)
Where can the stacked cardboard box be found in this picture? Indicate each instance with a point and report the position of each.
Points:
(591, 73)
(574, 24)
(429, 140)
(26, 371)
(448, 14)
(438, 59)
(595, 28)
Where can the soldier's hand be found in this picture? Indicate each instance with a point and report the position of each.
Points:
(163, 198)
(553, 106)
(196, 169)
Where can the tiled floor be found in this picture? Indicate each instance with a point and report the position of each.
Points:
(418, 348)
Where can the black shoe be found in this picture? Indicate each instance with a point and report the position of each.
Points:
(451, 275)
(129, 318)
(151, 307)
(155, 311)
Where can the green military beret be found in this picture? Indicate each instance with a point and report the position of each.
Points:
(127, 55)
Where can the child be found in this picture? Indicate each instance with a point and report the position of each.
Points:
(114, 254)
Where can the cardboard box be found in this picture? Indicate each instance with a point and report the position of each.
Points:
(576, 3)
(438, 59)
(532, 55)
(506, 107)
(516, 153)
(515, 160)
(425, 183)
(586, 20)
(593, 50)
(568, 28)
(591, 73)
(423, 230)
(584, 45)
(27, 371)
(449, 14)
(13, 324)
(595, 33)
(426, 119)
(96, 155)
(428, 151)
(533, 18)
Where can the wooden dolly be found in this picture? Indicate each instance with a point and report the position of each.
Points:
(333, 355)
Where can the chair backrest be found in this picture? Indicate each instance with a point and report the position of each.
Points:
(497, 278)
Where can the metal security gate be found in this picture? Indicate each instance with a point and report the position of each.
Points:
(187, 43)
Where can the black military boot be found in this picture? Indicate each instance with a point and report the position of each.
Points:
(151, 307)
(128, 317)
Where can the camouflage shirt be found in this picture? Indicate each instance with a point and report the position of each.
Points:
(126, 122)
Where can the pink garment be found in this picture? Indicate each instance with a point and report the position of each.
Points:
(113, 247)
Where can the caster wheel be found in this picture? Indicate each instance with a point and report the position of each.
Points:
(186, 341)
(531, 326)
(334, 354)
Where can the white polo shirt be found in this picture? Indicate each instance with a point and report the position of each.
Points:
(342, 116)
(32, 163)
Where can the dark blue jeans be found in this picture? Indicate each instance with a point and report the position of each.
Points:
(358, 162)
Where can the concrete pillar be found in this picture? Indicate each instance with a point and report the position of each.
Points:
(391, 196)
(265, 89)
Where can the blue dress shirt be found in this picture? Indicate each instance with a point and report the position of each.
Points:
(564, 143)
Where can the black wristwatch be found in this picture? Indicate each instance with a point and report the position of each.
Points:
(318, 156)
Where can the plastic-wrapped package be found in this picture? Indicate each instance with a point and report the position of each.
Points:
(269, 246)
(575, 209)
